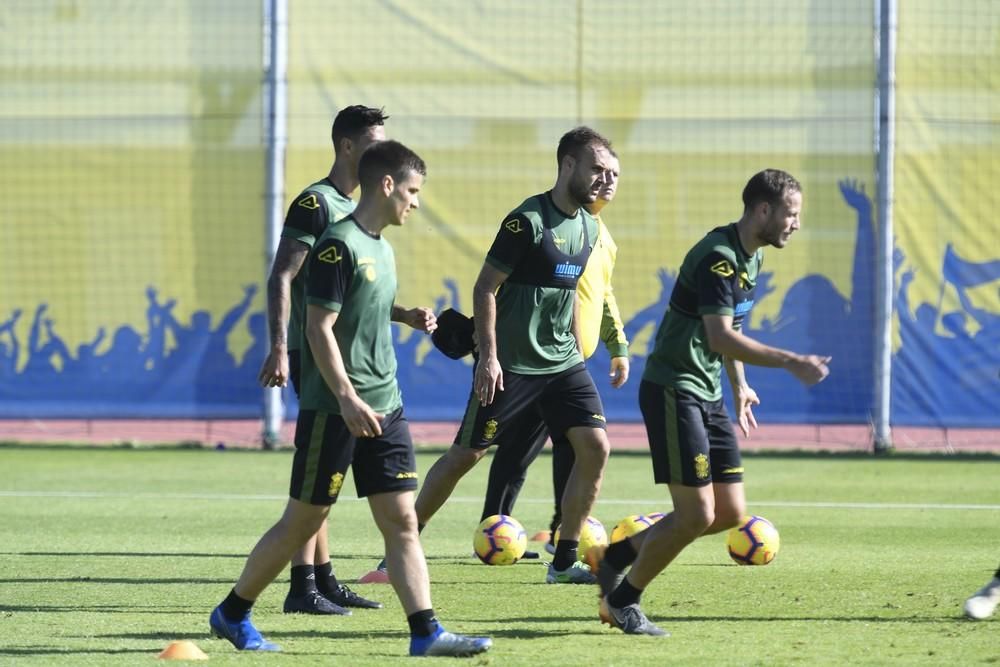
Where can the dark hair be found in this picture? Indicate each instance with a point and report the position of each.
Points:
(352, 121)
(388, 157)
(770, 186)
(577, 139)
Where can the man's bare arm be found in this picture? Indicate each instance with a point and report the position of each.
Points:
(724, 340)
(288, 261)
(489, 377)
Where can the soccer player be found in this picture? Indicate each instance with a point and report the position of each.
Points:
(530, 369)
(599, 320)
(983, 602)
(314, 587)
(691, 438)
(351, 411)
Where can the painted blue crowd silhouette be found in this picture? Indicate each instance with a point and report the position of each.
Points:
(946, 370)
(136, 376)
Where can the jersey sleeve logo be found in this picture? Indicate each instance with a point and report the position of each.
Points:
(330, 255)
(309, 202)
(514, 226)
(723, 268)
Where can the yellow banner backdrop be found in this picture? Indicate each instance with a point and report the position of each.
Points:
(132, 218)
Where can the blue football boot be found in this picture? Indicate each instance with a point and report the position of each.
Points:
(242, 634)
(446, 643)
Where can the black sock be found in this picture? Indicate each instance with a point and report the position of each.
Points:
(565, 554)
(422, 623)
(624, 595)
(620, 555)
(235, 608)
(554, 526)
(303, 579)
(326, 580)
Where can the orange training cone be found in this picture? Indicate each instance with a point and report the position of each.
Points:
(541, 536)
(374, 577)
(182, 650)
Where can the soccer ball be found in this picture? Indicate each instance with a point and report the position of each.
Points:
(629, 526)
(592, 535)
(500, 540)
(754, 542)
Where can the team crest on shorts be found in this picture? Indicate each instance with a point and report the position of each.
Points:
(336, 482)
(490, 429)
(701, 466)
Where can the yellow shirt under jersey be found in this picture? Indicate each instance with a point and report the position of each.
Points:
(599, 315)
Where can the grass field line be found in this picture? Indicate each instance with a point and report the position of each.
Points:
(475, 500)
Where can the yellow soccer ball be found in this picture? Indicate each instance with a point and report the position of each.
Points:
(500, 540)
(754, 542)
(592, 535)
(629, 526)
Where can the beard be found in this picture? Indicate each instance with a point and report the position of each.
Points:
(582, 193)
(774, 238)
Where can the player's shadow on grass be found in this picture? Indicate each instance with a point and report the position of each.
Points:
(128, 554)
(115, 580)
(371, 558)
(473, 560)
(95, 609)
(165, 636)
(666, 620)
(512, 633)
(523, 633)
(52, 650)
(687, 618)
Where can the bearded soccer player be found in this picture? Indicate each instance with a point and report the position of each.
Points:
(530, 369)
(691, 438)
(600, 320)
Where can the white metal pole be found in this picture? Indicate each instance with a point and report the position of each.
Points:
(886, 20)
(275, 132)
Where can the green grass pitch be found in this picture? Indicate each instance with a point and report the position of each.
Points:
(107, 555)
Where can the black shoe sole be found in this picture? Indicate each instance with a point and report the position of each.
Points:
(366, 604)
(315, 611)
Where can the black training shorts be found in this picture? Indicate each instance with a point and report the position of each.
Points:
(560, 401)
(324, 448)
(691, 441)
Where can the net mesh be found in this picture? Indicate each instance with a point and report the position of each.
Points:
(133, 167)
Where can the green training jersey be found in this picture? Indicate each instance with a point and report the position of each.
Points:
(353, 273)
(317, 207)
(717, 277)
(544, 251)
